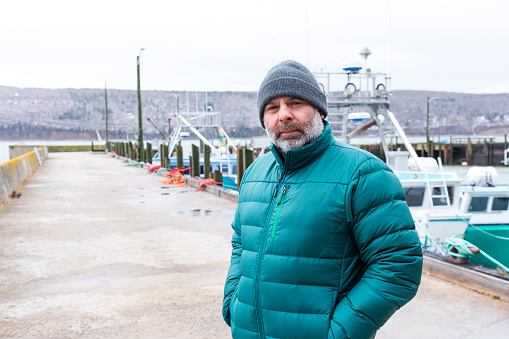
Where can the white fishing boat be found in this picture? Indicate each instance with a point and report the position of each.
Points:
(488, 204)
(433, 195)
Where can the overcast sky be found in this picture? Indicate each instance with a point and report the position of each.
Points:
(442, 45)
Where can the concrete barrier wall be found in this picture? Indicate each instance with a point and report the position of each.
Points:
(17, 170)
(18, 150)
(77, 148)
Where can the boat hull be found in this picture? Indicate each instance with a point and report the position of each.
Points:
(495, 244)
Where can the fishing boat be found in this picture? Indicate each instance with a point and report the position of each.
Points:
(201, 124)
(432, 194)
(451, 220)
(488, 205)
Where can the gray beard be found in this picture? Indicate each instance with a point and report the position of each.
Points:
(310, 133)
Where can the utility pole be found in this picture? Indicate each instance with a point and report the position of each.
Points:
(106, 114)
(140, 125)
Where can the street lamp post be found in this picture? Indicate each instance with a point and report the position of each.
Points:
(428, 144)
(140, 125)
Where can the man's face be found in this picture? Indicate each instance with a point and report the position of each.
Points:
(291, 123)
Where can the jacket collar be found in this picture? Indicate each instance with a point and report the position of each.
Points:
(303, 156)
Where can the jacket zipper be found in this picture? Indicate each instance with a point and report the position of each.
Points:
(258, 302)
(278, 210)
(277, 184)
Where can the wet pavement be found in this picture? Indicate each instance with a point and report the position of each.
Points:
(94, 248)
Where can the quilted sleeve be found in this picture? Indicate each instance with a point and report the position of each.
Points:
(233, 277)
(384, 232)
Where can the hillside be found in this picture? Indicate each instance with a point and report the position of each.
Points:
(34, 113)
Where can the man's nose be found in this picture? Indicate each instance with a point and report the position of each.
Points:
(285, 113)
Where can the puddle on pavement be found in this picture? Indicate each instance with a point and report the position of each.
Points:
(178, 192)
(200, 213)
(35, 185)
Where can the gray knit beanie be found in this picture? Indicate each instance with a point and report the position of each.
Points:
(290, 78)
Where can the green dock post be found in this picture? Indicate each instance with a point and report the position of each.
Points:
(218, 176)
(161, 155)
(180, 157)
(164, 156)
(206, 162)
(149, 153)
(92, 147)
(248, 158)
(381, 151)
(196, 161)
(240, 165)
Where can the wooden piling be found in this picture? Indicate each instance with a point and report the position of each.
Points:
(248, 158)
(195, 167)
(240, 165)
(130, 151)
(206, 161)
(468, 153)
(149, 153)
(446, 154)
(180, 156)
(451, 151)
(218, 176)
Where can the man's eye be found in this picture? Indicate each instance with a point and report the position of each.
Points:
(271, 108)
(295, 103)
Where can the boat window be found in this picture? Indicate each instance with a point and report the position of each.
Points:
(414, 196)
(500, 204)
(478, 204)
(442, 201)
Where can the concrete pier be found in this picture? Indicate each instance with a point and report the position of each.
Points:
(94, 248)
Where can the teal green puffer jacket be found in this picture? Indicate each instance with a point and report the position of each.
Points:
(324, 246)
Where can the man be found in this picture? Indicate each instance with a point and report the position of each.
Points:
(324, 245)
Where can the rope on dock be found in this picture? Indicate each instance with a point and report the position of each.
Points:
(205, 182)
(175, 177)
(464, 250)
